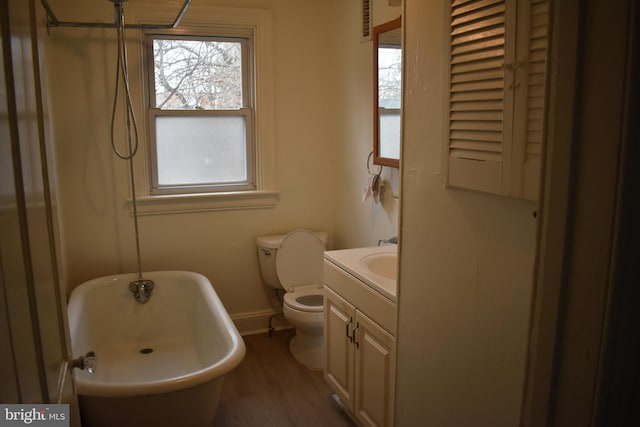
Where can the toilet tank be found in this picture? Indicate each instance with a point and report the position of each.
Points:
(267, 252)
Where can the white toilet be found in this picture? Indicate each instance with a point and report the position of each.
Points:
(293, 262)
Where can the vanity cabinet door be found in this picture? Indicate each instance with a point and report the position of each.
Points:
(374, 373)
(339, 348)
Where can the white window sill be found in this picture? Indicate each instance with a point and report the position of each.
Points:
(203, 202)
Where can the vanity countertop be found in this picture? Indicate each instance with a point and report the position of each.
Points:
(376, 266)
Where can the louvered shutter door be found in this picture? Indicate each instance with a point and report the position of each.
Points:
(496, 101)
(536, 95)
(477, 95)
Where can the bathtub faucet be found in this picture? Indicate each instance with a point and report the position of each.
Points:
(141, 289)
(390, 241)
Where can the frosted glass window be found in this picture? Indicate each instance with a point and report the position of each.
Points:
(390, 134)
(201, 112)
(200, 150)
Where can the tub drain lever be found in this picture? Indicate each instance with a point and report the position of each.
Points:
(88, 362)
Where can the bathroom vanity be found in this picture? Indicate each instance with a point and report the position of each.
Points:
(360, 330)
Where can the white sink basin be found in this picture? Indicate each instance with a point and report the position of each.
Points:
(385, 264)
(376, 266)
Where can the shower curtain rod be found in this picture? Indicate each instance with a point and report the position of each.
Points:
(52, 20)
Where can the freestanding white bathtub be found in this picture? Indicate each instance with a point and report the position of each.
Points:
(158, 364)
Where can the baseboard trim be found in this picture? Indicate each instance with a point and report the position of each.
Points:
(257, 322)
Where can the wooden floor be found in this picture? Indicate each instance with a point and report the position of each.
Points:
(269, 388)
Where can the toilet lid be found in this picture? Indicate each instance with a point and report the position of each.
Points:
(299, 259)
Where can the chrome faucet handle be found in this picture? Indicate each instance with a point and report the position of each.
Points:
(141, 289)
(145, 284)
(89, 362)
(391, 240)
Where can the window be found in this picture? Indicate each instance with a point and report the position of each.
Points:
(389, 98)
(201, 113)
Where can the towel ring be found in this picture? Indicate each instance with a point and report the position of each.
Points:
(368, 161)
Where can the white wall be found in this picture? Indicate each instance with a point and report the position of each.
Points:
(322, 130)
(358, 223)
(466, 264)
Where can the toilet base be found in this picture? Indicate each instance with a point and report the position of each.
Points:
(308, 350)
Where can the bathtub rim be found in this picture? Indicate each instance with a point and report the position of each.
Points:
(232, 358)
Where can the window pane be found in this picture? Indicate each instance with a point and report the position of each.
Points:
(389, 77)
(200, 150)
(390, 134)
(197, 74)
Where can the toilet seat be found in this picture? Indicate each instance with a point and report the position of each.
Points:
(306, 298)
(300, 260)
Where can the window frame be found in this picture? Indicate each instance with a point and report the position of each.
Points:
(245, 36)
